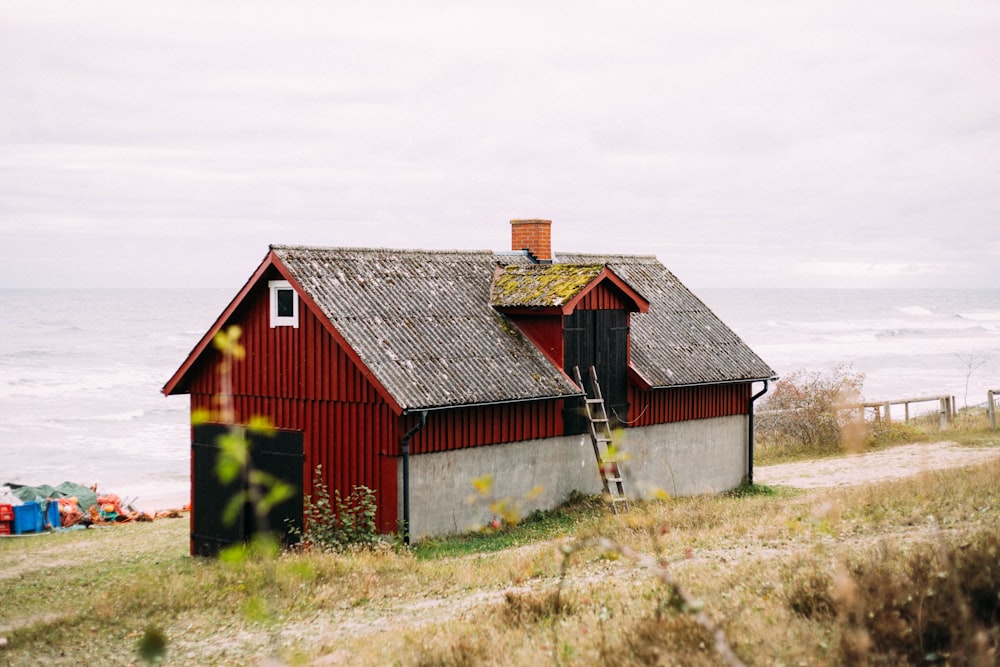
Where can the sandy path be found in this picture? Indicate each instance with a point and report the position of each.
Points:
(902, 461)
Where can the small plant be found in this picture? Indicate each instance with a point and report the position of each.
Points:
(751, 490)
(972, 362)
(883, 433)
(336, 524)
(806, 414)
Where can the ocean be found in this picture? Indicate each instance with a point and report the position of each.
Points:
(81, 370)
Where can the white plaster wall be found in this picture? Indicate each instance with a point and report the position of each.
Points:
(684, 458)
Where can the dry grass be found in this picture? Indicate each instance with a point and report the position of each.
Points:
(826, 577)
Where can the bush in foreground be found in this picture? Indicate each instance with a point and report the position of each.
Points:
(934, 603)
(805, 414)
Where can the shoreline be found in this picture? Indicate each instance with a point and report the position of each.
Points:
(156, 501)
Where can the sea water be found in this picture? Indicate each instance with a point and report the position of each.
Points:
(906, 343)
(81, 370)
(80, 379)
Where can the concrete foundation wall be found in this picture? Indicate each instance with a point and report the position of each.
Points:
(687, 458)
(684, 458)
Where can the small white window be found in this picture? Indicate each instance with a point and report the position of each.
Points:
(284, 304)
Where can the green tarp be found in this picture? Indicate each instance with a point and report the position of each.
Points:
(40, 494)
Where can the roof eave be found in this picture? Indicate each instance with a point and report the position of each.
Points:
(712, 383)
(177, 382)
(480, 404)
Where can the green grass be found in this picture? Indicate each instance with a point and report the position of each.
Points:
(773, 568)
(538, 526)
(750, 490)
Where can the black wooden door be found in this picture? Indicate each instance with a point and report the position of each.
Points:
(597, 338)
(278, 454)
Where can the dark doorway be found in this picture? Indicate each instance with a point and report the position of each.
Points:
(278, 454)
(598, 338)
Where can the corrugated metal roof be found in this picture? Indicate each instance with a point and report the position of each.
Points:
(422, 323)
(680, 341)
(541, 285)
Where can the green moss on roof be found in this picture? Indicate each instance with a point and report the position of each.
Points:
(541, 286)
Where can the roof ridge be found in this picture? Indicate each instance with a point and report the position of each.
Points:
(608, 255)
(370, 250)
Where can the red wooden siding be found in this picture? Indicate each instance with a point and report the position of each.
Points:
(663, 406)
(545, 331)
(447, 430)
(301, 379)
(605, 296)
(349, 440)
(288, 362)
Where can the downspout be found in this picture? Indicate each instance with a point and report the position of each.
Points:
(405, 445)
(750, 434)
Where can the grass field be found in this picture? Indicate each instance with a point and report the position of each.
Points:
(906, 572)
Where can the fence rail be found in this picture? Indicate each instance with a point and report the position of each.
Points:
(946, 408)
(883, 409)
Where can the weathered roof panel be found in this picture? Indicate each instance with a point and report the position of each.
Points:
(680, 341)
(421, 322)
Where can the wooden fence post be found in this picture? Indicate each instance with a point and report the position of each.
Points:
(991, 406)
(945, 412)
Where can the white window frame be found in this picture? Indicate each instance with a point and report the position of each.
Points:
(287, 320)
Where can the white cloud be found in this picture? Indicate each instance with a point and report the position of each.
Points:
(728, 132)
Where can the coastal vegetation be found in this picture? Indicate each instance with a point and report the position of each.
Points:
(812, 415)
(900, 572)
(904, 572)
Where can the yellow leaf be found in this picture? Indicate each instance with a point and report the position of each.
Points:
(228, 342)
(260, 424)
(483, 484)
(201, 416)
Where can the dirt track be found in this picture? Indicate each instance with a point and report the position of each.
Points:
(893, 463)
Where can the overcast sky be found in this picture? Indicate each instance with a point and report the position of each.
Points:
(765, 144)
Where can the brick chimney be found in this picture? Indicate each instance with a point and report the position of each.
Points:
(535, 236)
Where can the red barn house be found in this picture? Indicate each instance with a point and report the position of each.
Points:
(413, 372)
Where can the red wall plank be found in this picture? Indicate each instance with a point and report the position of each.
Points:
(663, 406)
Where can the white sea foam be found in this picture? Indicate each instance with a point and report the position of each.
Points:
(126, 416)
(992, 316)
(914, 310)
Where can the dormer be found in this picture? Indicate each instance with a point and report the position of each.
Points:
(560, 289)
(577, 315)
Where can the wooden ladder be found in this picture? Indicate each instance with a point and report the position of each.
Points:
(600, 436)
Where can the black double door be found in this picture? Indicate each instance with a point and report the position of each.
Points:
(278, 454)
(597, 338)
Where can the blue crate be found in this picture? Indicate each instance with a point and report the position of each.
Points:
(52, 517)
(27, 518)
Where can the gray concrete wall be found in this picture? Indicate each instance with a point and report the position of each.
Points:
(684, 458)
(687, 458)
